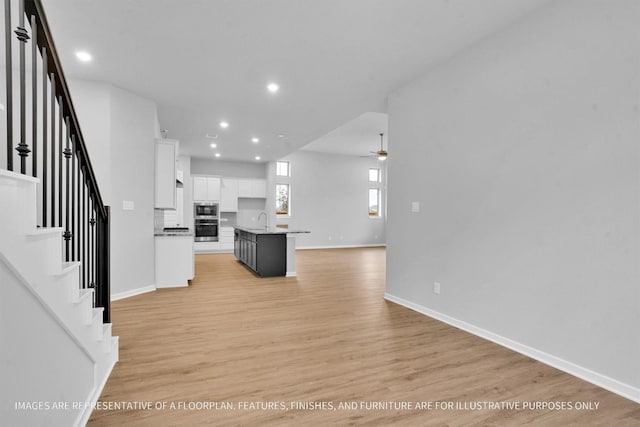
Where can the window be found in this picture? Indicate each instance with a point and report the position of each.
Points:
(374, 202)
(282, 168)
(282, 199)
(374, 175)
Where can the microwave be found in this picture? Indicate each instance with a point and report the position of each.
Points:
(205, 210)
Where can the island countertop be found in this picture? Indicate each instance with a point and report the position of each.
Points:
(270, 230)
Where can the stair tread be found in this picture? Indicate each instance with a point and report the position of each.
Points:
(43, 231)
(106, 331)
(84, 293)
(17, 176)
(68, 267)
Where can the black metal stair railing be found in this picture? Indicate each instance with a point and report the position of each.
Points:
(49, 133)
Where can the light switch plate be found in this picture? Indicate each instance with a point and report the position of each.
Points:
(415, 206)
(127, 205)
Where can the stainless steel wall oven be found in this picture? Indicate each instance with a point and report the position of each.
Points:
(206, 222)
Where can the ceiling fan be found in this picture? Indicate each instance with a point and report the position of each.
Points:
(381, 154)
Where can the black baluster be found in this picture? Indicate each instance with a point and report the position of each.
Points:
(34, 96)
(82, 227)
(53, 150)
(89, 243)
(73, 197)
(23, 36)
(60, 153)
(78, 211)
(87, 237)
(44, 136)
(93, 248)
(9, 88)
(103, 260)
(67, 156)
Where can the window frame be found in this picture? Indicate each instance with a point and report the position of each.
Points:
(378, 192)
(378, 175)
(288, 211)
(288, 163)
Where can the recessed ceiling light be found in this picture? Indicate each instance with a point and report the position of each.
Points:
(83, 56)
(257, 157)
(281, 135)
(224, 125)
(217, 154)
(273, 87)
(214, 145)
(255, 140)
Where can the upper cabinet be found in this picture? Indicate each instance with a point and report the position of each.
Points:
(229, 195)
(165, 173)
(206, 188)
(252, 188)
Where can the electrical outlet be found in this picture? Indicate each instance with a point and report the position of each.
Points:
(436, 288)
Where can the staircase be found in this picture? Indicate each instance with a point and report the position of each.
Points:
(55, 346)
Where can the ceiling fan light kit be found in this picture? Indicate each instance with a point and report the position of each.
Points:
(381, 153)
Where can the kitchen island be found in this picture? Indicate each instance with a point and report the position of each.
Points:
(267, 251)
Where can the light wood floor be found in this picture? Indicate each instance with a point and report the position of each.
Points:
(326, 336)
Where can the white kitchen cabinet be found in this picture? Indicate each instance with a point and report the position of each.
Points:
(206, 189)
(165, 173)
(174, 258)
(226, 238)
(252, 188)
(206, 247)
(229, 195)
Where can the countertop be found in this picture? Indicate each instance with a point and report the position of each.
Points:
(160, 233)
(270, 230)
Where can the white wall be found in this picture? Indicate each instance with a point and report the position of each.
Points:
(329, 197)
(229, 169)
(132, 166)
(119, 129)
(93, 109)
(524, 154)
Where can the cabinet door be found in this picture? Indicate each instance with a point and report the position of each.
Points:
(254, 188)
(253, 258)
(199, 189)
(165, 174)
(229, 195)
(259, 188)
(213, 189)
(244, 188)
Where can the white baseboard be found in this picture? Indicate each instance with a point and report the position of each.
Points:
(614, 386)
(132, 292)
(181, 285)
(376, 245)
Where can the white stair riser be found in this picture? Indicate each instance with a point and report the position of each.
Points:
(37, 257)
(21, 191)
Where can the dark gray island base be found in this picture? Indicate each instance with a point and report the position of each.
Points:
(268, 252)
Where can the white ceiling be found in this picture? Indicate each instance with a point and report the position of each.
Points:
(203, 61)
(357, 137)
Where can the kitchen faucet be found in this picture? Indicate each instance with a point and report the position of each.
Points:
(266, 219)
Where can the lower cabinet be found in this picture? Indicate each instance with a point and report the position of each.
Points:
(174, 261)
(265, 254)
